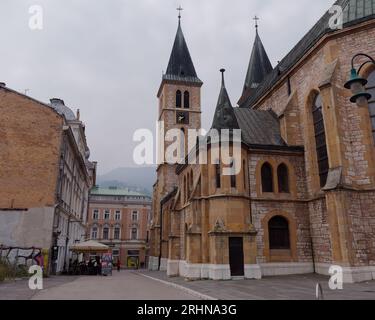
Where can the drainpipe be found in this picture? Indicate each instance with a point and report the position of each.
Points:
(161, 234)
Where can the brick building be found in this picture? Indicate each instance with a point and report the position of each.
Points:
(304, 198)
(45, 177)
(119, 218)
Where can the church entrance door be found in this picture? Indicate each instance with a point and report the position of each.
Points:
(236, 257)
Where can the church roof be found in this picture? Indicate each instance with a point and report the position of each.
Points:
(224, 117)
(259, 127)
(259, 66)
(354, 12)
(180, 66)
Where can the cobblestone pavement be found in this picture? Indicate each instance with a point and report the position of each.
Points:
(298, 287)
(126, 285)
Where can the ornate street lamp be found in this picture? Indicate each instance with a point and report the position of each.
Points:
(357, 84)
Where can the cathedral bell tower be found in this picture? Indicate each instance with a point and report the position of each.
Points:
(179, 103)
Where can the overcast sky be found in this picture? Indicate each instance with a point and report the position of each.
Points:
(106, 57)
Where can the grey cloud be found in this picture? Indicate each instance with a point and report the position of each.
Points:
(106, 57)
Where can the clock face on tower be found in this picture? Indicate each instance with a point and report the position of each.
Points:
(182, 117)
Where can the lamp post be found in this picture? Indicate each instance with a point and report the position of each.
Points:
(356, 83)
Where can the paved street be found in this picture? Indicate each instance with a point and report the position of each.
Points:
(145, 285)
(297, 287)
(126, 285)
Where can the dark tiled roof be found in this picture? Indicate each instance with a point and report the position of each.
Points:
(355, 11)
(180, 64)
(259, 127)
(259, 66)
(224, 117)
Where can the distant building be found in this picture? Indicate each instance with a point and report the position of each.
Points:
(119, 217)
(45, 177)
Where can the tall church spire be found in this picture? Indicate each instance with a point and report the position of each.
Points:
(224, 117)
(180, 63)
(259, 65)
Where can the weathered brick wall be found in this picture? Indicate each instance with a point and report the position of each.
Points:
(30, 142)
(350, 144)
(361, 218)
(298, 211)
(320, 232)
(292, 205)
(296, 166)
(356, 158)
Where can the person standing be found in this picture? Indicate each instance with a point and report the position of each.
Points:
(118, 265)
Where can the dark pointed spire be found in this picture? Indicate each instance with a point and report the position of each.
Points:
(224, 117)
(259, 65)
(180, 63)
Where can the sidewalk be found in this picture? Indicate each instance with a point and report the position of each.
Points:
(296, 287)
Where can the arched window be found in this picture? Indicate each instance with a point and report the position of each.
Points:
(371, 90)
(267, 178)
(178, 99)
(320, 139)
(186, 100)
(283, 178)
(278, 230)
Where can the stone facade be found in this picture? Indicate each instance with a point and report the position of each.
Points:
(305, 222)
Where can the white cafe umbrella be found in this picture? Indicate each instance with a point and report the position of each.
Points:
(89, 246)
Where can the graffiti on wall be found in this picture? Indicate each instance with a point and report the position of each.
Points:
(22, 256)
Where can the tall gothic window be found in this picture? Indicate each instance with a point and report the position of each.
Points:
(371, 90)
(233, 177)
(320, 139)
(278, 230)
(244, 174)
(186, 100)
(178, 99)
(267, 178)
(218, 175)
(283, 178)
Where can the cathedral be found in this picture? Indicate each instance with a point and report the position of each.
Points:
(304, 199)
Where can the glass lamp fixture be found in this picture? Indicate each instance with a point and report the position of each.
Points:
(357, 84)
